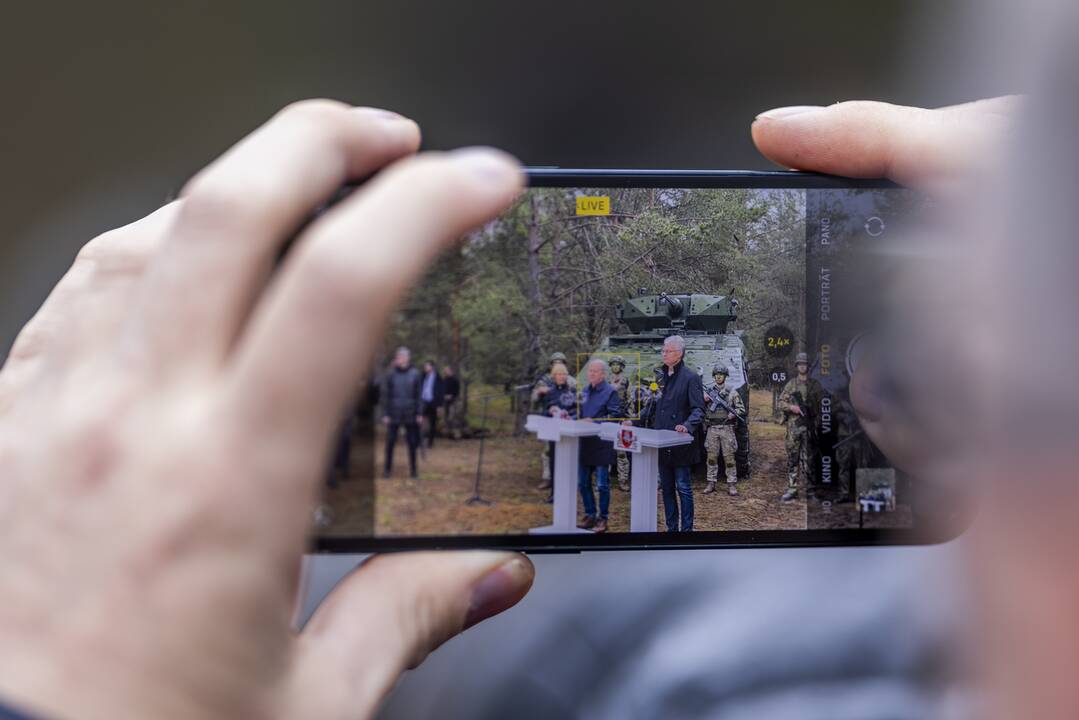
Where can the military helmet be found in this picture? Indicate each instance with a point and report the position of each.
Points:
(617, 360)
(801, 358)
(720, 369)
(557, 357)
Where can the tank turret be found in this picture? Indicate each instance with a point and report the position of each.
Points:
(668, 314)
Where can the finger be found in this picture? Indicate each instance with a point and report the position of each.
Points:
(901, 439)
(390, 614)
(239, 210)
(93, 293)
(910, 145)
(310, 339)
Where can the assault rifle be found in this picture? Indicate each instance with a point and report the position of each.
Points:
(853, 436)
(807, 413)
(717, 403)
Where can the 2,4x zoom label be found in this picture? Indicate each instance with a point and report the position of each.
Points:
(593, 205)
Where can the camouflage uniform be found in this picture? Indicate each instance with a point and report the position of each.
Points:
(799, 440)
(639, 398)
(853, 453)
(719, 438)
(620, 383)
(546, 381)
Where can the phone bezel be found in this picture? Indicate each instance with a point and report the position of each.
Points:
(704, 539)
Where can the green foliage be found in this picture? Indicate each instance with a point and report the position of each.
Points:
(542, 278)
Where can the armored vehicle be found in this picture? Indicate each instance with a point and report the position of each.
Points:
(704, 321)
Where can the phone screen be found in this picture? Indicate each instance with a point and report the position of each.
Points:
(646, 362)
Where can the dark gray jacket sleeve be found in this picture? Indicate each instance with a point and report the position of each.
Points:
(417, 390)
(695, 396)
(384, 395)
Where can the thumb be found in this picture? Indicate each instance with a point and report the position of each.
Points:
(911, 145)
(388, 615)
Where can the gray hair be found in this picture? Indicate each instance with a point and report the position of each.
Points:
(676, 340)
(404, 350)
(601, 361)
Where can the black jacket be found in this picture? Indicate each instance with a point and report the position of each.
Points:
(451, 388)
(681, 403)
(561, 396)
(400, 394)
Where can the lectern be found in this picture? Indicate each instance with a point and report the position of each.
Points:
(566, 436)
(643, 444)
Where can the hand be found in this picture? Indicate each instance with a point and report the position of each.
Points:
(707, 398)
(933, 150)
(627, 423)
(732, 416)
(385, 419)
(165, 417)
(419, 419)
(542, 390)
(795, 409)
(681, 428)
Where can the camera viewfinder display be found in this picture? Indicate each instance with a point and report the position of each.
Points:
(632, 362)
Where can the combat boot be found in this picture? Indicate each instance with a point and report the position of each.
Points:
(623, 486)
(790, 495)
(732, 489)
(711, 487)
(545, 484)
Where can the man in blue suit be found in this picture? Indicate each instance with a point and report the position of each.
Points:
(599, 400)
(680, 407)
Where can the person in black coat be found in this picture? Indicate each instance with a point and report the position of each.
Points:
(599, 400)
(680, 407)
(431, 395)
(451, 407)
(559, 401)
(401, 407)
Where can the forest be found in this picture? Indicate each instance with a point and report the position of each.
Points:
(543, 278)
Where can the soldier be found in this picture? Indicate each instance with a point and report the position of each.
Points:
(540, 388)
(719, 437)
(620, 383)
(799, 400)
(851, 450)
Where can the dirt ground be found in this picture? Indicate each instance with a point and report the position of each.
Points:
(436, 503)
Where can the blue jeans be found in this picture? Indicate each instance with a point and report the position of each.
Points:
(584, 484)
(670, 478)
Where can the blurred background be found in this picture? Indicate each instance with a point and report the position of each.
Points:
(109, 106)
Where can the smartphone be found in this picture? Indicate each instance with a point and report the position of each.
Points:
(632, 359)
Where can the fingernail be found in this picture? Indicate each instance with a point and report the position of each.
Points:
(378, 113)
(786, 112)
(391, 122)
(499, 589)
(488, 164)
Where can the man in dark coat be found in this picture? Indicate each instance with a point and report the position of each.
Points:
(680, 407)
(431, 392)
(451, 407)
(599, 400)
(401, 407)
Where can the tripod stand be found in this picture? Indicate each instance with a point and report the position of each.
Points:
(476, 499)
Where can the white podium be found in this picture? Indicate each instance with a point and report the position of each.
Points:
(643, 507)
(566, 436)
